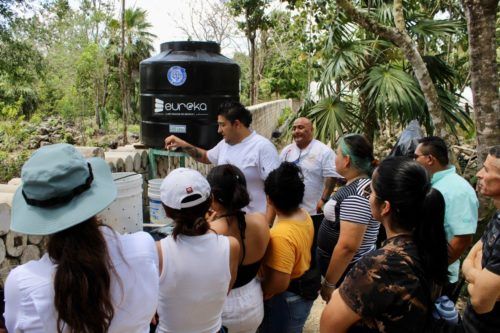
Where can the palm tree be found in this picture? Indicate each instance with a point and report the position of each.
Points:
(369, 77)
(138, 45)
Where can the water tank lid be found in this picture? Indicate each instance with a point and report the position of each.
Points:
(211, 47)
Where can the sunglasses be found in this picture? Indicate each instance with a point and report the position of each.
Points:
(415, 156)
(367, 192)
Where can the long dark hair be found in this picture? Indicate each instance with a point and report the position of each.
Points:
(417, 208)
(189, 221)
(82, 280)
(229, 188)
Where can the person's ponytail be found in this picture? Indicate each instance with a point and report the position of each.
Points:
(189, 221)
(229, 187)
(430, 237)
(416, 208)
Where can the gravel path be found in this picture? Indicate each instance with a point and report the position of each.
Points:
(312, 323)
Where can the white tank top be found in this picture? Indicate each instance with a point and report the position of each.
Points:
(194, 283)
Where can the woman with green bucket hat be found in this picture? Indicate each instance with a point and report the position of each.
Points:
(91, 279)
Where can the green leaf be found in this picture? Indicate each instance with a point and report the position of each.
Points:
(436, 28)
(394, 93)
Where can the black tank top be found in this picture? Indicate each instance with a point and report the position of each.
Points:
(246, 273)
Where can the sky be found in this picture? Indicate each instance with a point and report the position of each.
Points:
(165, 16)
(161, 14)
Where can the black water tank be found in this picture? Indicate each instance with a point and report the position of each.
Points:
(181, 90)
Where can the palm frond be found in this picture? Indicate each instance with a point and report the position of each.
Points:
(382, 12)
(339, 31)
(453, 112)
(435, 28)
(394, 93)
(441, 73)
(331, 118)
(346, 60)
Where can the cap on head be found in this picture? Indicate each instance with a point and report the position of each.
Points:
(182, 183)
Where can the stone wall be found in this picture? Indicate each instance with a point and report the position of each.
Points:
(266, 115)
(15, 248)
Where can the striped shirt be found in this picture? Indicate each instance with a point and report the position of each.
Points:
(350, 205)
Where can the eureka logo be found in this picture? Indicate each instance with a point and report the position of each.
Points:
(161, 106)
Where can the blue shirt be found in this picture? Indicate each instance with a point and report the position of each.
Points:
(460, 217)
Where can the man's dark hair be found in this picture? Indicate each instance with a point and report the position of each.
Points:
(435, 146)
(235, 111)
(495, 151)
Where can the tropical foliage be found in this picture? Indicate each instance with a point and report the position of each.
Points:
(56, 59)
(369, 75)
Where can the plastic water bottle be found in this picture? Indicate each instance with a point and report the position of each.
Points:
(444, 309)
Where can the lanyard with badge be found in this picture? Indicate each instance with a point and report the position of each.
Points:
(297, 161)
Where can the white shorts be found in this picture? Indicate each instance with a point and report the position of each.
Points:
(243, 309)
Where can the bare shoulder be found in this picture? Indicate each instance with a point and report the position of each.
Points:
(234, 245)
(257, 230)
(257, 222)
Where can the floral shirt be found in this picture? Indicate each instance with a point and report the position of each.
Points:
(385, 288)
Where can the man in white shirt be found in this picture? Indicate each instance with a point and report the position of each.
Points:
(317, 162)
(255, 155)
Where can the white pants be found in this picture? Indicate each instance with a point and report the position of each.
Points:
(243, 310)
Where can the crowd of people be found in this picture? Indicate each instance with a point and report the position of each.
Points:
(259, 239)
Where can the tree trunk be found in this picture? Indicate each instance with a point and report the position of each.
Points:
(123, 86)
(481, 21)
(410, 50)
(370, 118)
(97, 114)
(480, 15)
(252, 70)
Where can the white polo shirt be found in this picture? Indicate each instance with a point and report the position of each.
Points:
(256, 157)
(317, 162)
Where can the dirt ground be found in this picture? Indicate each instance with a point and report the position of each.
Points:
(312, 323)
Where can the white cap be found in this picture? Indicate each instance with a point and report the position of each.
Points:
(182, 183)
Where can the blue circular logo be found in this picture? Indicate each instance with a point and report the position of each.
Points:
(176, 76)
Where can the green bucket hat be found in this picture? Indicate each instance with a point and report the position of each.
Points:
(59, 190)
